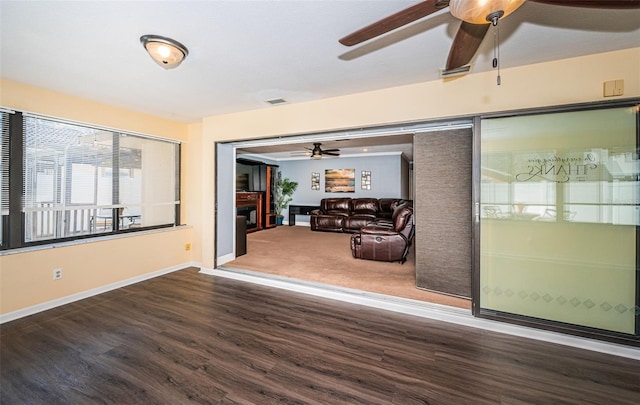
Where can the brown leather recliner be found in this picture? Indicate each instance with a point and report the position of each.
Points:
(387, 242)
(331, 214)
(363, 212)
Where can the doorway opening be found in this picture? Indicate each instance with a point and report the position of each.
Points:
(325, 257)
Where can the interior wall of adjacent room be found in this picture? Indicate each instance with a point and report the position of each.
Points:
(406, 179)
(386, 177)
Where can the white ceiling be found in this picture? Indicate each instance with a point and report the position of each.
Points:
(242, 53)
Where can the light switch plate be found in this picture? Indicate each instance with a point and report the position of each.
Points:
(618, 88)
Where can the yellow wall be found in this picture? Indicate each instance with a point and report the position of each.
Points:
(191, 196)
(26, 278)
(46, 102)
(567, 81)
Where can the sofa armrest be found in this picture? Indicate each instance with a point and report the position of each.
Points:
(381, 230)
(386, 222)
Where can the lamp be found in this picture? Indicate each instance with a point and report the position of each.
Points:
(166, 52)
(483, 11)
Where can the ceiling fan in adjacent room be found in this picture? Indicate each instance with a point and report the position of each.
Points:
(317, 152)
(476, 15)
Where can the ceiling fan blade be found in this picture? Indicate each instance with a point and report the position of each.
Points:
(330, 150)
(465, 44)
(324, 152)
(593, 3)
(394, 21)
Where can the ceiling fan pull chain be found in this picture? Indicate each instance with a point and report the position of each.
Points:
(496, 48)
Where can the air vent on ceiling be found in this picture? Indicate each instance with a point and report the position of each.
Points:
(276, 101)
(455, 72)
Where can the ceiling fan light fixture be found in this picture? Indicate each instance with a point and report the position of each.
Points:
(166, 52)
(316, 153)
(483, 11)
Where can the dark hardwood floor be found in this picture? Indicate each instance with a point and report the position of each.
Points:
(193, 338)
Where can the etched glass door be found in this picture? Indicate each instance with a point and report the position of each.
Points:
(559, 213)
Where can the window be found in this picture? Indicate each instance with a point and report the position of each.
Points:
(80, 181)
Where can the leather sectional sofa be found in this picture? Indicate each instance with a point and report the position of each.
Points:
(382, 228)
(351, 214)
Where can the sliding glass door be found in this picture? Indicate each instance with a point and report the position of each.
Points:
(559, 212)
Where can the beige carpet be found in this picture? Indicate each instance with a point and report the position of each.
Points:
(325, 257)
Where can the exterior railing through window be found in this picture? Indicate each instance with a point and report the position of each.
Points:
(48, 221)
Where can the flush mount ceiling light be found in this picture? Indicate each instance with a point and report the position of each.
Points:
(166, 52)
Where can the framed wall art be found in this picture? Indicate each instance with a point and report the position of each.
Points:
(366, 180)
(315, 181)
(340, 180)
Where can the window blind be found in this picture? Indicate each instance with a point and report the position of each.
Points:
(4, 171)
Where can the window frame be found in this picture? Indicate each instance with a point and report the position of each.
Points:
(14, 223)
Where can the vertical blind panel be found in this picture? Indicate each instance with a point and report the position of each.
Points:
(442, 164)
(4, 163)
(4, 171)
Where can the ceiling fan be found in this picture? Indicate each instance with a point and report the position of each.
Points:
(476, 15)
(317, 151)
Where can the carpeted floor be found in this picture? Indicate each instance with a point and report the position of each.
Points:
(325, 257)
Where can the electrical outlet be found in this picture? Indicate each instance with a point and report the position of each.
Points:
(187, 247)
(57, 274)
